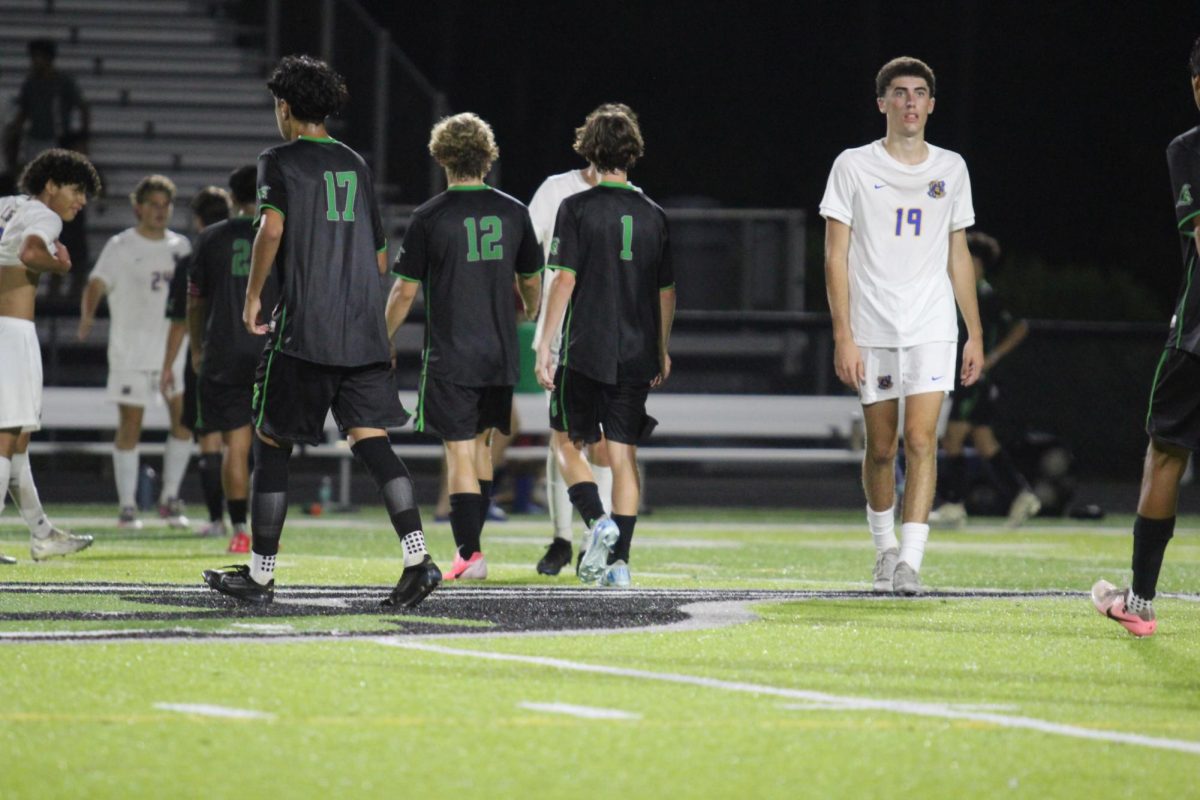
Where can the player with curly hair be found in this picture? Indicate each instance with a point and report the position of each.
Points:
(56, 186)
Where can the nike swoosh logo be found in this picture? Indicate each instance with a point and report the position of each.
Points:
(880, 185)
(937, 378)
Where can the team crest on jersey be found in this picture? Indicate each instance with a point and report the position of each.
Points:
(554, 246)
(937, 189)
(263, 191)
(885, 382)
(1185, 195)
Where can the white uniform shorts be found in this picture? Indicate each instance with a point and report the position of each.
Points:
(20, 375)
(140, 387)
(893, 372)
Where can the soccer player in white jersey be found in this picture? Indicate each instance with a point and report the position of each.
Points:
(896, 261)
(57, 184)
(543, 209)
(134, 270)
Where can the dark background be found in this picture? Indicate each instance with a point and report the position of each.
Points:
(1062, 110)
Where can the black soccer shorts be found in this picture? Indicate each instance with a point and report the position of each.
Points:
(456, 413)
(581, 407)
(292, 396)
(223, 406)
(974, 404)
(1174, 414)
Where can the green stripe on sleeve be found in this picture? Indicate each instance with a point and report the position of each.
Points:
(560, 267)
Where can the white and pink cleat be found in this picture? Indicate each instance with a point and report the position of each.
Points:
(1110, 601)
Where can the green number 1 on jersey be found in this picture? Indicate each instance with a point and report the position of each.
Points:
(487, 246)
(333, 182)
(627, 238)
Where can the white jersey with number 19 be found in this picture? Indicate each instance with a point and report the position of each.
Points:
(900, 217)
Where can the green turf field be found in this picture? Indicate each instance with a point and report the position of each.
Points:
(125, 678)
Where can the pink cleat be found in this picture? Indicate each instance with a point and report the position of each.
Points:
(1110, 601)
(473, 568)
(239, 542)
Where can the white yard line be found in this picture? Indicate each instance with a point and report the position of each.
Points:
(848, 703)
(205, 710)
(584, 712)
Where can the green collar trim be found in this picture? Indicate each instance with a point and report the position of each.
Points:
(322, 139)
(468, 187)
(615, 185)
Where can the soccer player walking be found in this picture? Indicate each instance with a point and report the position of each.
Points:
(1173, 419)
(57, 184)
(617, 280)
(896, 261)
(319, 225)
(466, 246)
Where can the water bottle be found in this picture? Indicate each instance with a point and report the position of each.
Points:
(325, 493)
(147, 488)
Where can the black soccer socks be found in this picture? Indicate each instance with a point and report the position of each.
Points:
(466, 522)
(1150, 537)
(394, 482)
(586, 499)
(210, 482)
(625, 525)
(270, 481)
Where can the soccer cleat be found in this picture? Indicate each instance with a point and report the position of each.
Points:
(601, 539)
(213, 530)
(473, 568)
(616, 576)
(1025, 505)
(415, 584)
(7, 559)
(57, 543)
(236, 582)
(885, 569)
(172, 512)
(558, 555)
(495, 513)
(129, 519)
(948, 515)
(1110, 601)
(239, 542)
(906, 581)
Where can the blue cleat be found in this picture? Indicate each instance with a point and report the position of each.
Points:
(601, 539)
(616, 576)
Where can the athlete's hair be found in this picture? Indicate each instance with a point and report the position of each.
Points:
(64, 167)
(464, 145)
(211, 204)
(610, 138)
(1194, 59)
(904, 66)
(984, 247)
(310, 87)
(43, 47)
(152, 183)
(243, 184)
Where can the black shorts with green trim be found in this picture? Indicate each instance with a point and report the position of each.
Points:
(582, 407)
(292, 397)
(456, 413)
(223, 406)
(1174, 413)
(974, 404)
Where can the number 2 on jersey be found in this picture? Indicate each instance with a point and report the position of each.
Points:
(241, 258)
(487, 246)
(914, 219)
(338, 180)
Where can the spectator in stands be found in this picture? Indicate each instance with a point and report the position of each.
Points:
(896, 213)
(209, 206)
(610, 243)
(471, 362)
(543, 209)
(1173, 419)
(224, 354)
(51, 109)
(57, 184)
(135, 270)
(973, 408)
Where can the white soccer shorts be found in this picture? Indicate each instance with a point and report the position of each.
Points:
(893, 372)
(20, 375)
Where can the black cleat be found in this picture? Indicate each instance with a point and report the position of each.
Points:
(558, 555)
(235, 581)
(415, 584)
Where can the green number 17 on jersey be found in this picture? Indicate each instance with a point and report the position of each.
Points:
(340, 180)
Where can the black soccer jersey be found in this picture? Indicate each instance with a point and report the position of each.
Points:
(614, 239)
(994, 319)
(332, 299)
(219, 272)
(464, 246)
(1183, 161)
(177, 291)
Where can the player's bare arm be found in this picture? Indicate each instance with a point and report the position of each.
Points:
(666, 318)
(847, 360)
(530, 289)
(262, 258)
(399, 303)
(1014, 337)
(166, 376)
(88, 303)
(36, 255)
(556, 304)
(962, 279)
(197, 315)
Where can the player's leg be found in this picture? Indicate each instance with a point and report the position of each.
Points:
(8, 446)
(466, 508)
(558, 503)
(881, 422)
(210, 465)
(625, 424)
(953, 483)
(175, 460)
(45, 539)
(125, 462)
(235, 480)
(602, 471)
(1024, 502)
(920, 453)
(500, 440)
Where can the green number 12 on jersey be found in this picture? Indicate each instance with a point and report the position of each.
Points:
(485, 247)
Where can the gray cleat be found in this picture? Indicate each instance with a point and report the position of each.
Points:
(57, 543)
(906, 581)
(885, 568)
(600, 541)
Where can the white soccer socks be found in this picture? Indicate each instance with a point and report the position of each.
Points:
(913, 536)
(561, 510)
(883, 528)
(25, 496)
(604, 483)
(125, 471)
(175, 461)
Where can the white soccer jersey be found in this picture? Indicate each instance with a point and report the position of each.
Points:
(543, 210)
(22, 216)
(136, 272)
(900, 217)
